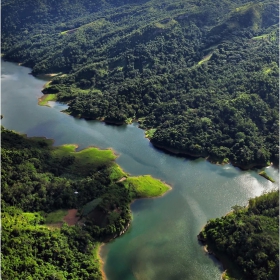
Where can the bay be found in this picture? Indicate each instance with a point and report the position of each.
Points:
(161, 242)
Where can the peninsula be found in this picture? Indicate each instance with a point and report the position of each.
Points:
(59, 204)
(246, 240)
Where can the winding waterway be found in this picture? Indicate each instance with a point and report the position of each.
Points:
(161, 242)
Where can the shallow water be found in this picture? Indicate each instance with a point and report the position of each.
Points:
(161, 242)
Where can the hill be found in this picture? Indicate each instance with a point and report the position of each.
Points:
(203, 75)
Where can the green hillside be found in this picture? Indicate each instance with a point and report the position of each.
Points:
(203, 75)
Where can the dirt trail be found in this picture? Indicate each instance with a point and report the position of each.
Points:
(71, 218)
(122, 179)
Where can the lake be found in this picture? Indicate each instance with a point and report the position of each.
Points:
(161, 242)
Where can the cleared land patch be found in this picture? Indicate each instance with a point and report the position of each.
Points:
(56, 216)
(147, 186)
(43, 101)
(87, 160)
(117, 173)
(71, 219)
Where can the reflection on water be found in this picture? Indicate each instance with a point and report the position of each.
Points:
(161, 242)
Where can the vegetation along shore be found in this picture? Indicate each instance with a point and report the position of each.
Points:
(39, 182)
(203, 76)
(246, 240)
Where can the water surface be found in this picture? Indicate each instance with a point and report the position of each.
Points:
(161, 242)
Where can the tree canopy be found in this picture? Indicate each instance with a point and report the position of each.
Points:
(203, 75)
(249, 237)
(37, 181)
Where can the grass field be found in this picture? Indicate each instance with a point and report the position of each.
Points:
(206, 58)
(90, 159)
(56, 216)
(272, 36)
(86, 160)
(147, 186)
(64, 150)
(116, 172)
(43, 101)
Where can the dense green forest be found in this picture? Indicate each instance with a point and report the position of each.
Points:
(38, 183)
(202, 76)
(248, 238)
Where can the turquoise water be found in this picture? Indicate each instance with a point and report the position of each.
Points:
(161, 242)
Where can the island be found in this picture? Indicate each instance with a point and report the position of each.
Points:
(59, 205)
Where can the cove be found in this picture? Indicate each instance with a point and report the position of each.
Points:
(161, 242)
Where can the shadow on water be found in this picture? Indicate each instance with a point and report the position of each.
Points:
(141, 204)
(178, 155)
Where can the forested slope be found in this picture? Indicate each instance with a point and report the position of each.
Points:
(202, 75)
(249, 238)
(39, 181)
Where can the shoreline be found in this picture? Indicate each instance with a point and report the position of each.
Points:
(42, 99)
(172, 151)
(177, 152)
(100, 246)
(183, 154)
(101, 262)
(211, 254)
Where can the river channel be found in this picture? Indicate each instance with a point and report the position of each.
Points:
(161, 242)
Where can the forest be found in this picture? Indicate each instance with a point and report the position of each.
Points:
(39, 184)
(247, 239)
(200, 76)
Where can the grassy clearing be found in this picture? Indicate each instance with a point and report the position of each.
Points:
(116, 172)
(64, 150)
(86, 160)
(272, 36)
(149, 133)
(264, 36)
(206, 58)
(147, 186)
(43, 101)
(68, 31)
(92, 158)
(94, 25)
(56, 216)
